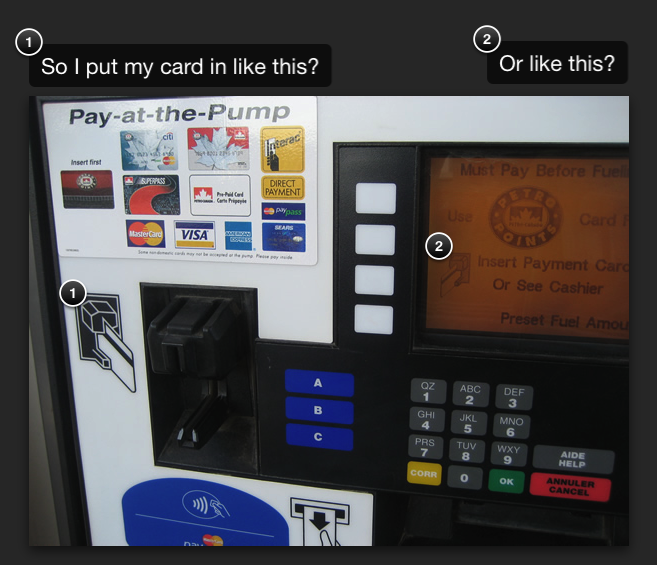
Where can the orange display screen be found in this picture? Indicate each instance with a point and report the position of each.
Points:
(540, 246)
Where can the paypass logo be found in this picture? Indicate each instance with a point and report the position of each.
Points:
(281, 211)
(145, 233)
(199, 235)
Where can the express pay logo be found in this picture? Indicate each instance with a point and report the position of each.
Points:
(145, 233)
(199, 235)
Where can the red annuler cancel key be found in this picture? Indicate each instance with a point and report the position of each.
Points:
(568, 486)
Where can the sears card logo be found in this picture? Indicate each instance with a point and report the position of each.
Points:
(239, 236)
(526, 217)
(145, 233)
(281, 211)
(195, 235)
(284, 237)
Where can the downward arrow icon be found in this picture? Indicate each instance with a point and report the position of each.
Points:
(319, 520)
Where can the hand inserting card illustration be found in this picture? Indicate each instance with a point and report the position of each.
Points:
(100, 337)
(270, 153)
(459, 272)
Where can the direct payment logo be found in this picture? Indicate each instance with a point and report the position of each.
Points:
(199, 235)
(149, 233)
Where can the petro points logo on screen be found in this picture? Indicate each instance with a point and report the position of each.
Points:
(526, 217)
(145, 233)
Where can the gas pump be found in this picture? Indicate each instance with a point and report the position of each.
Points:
(340, 321)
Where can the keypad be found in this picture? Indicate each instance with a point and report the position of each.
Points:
(465, 425)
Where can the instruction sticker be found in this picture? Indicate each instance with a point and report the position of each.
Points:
(184, 161)
(244, 512)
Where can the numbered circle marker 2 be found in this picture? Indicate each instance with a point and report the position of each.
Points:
(486, 39)
(72, 293)
(438, 246)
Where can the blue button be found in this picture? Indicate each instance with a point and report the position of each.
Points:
(319, 382)
(320, 436)
(319, 410)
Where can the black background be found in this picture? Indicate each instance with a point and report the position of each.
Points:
(408, 49)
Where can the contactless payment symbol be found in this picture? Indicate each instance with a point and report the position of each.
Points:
(438, 246)
(204, 505)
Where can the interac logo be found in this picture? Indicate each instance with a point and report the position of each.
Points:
(526, 217)
(282, 149)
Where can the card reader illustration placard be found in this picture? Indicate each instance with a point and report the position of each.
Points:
(100, 338)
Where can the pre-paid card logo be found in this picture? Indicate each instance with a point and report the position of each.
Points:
(239, 236)
(284, 237)
(222, 149)
(149, 150)
(199, 235)
(87, 189)
(145, 233)
(282, 149)
(151, 195)
(282, 211)
(220, 195)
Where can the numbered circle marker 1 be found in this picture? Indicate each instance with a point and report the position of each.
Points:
(28, 42)
(72, 293)
(486, 39)
(438, 246)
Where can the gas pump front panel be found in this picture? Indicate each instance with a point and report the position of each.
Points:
(516, 391)
(264, 313)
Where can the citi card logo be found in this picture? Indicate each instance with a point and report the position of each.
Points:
(145, 233)
(199, 235)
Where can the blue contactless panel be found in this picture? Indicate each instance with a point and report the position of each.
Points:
(192, 512)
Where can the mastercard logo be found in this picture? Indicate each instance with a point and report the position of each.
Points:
(269, 211)
(212, 540)
(148, 233)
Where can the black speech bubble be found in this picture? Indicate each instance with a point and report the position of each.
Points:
(595, 63)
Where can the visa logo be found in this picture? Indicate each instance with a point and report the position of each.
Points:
(195, 234)
(199, 235)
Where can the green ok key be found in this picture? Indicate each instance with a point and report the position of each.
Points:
(501, 480)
